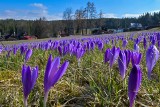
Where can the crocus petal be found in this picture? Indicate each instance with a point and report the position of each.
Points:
(128, 57)
(53, 71)
(24, 69)
(48, 69)
(52, 74)
(136, 58)
(134, 83)
(60, 72)
(114, 53)
(34, 76)
(122, 64)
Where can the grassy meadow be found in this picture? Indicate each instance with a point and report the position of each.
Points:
(87, 84)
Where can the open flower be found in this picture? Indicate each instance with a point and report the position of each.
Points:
(29, 77)
(52, 74)
(134, 83)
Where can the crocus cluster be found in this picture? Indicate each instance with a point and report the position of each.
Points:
(52, 74)
(124, 57)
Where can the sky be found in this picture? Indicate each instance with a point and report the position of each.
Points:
(53, 9)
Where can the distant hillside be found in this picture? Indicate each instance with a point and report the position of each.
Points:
(155, 29)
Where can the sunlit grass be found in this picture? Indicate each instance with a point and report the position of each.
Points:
(87, 85)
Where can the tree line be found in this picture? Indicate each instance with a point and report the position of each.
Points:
(78, 22)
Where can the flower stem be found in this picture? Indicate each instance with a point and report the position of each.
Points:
(110, 82)
(45, 99)
(25, 102)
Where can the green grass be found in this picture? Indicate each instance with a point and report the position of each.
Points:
(87, 85)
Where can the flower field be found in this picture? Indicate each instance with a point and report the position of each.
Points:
(115, 70)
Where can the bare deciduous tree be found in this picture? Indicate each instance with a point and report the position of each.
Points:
(67, 16)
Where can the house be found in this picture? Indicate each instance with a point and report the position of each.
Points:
(135, 25)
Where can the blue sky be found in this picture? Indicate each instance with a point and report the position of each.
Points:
(53, 9)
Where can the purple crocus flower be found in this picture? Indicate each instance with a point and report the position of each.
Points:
(92, 45)
(100, 46)
(88, 46)
(128, 56)
(124, 43)
(158, 36)
(134, 83)
(112, 41)
(22, 50)
(8, 54)
(106, 55)
(14, 50)
(114, 53)
(60, 50)
(137, 41)
(28, 54)
(136, 48)
(152, 56)
(29, 77)
(47, 45)
(153, 41)
(52, 74)
(159, 44)
(79, 53)
(122, 64)
(136, 58)
(144, 43)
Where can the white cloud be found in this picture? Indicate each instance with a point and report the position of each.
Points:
(55, 16)
(131, 15)
(154, 11)
(40, 10)
(9, 12)
(137, 15)
(39, 5)
(109, 15)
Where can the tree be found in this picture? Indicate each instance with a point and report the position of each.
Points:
(90, 11)
(80, 17)
(41, 28)
(67, 16)
(100, 22)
